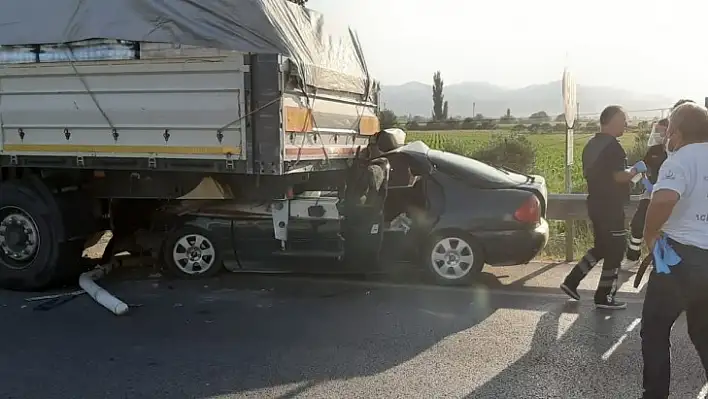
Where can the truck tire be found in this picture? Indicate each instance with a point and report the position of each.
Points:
(32, 249)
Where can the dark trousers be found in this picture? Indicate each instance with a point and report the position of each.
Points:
(610, 242)
(668, 295)
(636, 227)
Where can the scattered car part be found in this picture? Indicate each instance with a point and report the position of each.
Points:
(100, 295)
(54, 296)
(52, 303)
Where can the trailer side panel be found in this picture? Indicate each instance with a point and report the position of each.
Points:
(150, 111)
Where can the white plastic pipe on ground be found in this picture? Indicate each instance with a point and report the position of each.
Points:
(103, 297)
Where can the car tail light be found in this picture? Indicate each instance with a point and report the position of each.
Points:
(529, 211)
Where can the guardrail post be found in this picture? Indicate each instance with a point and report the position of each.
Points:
(569, 255)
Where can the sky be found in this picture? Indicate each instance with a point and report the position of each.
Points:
(645, 46)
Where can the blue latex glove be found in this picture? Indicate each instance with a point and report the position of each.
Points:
(640, 167)
(664, 256)
(647, 185)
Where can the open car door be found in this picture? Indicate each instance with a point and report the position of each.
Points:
(362, 208)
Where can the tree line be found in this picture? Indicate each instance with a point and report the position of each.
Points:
(440, 120)
(538, 122)
(486, 124)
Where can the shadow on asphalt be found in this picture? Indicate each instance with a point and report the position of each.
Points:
(551, 370)
(243, 333)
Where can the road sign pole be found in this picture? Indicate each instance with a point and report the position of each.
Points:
(570, 109)
(569, 233)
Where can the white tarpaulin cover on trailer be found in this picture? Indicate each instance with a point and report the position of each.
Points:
(328, 56)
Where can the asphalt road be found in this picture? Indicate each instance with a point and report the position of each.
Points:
(511, 336)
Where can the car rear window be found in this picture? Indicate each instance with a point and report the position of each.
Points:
(472, 169)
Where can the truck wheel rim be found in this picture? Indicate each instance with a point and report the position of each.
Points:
(19, 238)
(452, 258)
(193, 254)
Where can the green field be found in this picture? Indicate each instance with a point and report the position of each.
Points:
(549, 163)
(550, 151)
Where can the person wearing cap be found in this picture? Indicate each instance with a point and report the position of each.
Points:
(676, 231)
(608, 179)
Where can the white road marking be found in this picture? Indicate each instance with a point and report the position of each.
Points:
(621, 339)
(565, 321)
(614, 347)
(634, 324)
(703, 393)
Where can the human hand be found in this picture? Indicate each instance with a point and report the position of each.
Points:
(640, 167)
(650, 243)
(647, 185)
(651, 239)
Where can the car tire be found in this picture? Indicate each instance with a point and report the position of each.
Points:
(44, 261)
(453, 258)
(192, 253)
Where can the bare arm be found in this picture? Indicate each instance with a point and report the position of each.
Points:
(617, 161)
(672, 184)
(624, 176)
(660, 208)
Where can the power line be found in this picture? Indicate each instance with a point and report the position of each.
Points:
(629, 111)
(551, 118)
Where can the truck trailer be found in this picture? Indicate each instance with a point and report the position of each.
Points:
(110, 111)
(237, 134)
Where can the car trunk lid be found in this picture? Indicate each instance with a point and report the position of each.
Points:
(534, 183)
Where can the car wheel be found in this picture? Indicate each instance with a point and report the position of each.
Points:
(190, 252)
(453, 259)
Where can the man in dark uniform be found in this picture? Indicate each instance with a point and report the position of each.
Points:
(608, 179)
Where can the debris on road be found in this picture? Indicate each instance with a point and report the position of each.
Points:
(49, 302)
(58, 300)
(54, 296)
(100, 295)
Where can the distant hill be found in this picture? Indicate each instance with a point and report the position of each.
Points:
(415, 98)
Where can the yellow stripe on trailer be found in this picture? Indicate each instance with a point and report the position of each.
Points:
(123, 149)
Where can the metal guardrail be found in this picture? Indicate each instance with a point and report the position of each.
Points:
(571, 207)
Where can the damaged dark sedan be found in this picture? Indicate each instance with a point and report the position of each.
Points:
(445, 213)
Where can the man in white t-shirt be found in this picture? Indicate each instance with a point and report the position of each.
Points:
(678, 214)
